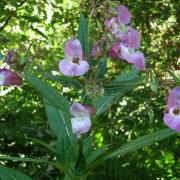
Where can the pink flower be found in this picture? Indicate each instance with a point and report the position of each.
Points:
(133, 57)
(8, 77)
(172, 111)
(174, 97)
(131, 38)
(124, 16)
(73, 64)
(81, 121)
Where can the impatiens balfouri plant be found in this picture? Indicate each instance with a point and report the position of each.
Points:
(83, 67)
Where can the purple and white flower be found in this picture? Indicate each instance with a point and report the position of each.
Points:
(120, 51)
(81, 120)
(131, 38)
(8, 77)
(133, 57)
(172, 111)
(73, 64)
(124, 16)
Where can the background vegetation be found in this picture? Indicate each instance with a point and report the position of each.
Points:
(46, 25)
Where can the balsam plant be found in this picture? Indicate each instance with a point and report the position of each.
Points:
(75, 152)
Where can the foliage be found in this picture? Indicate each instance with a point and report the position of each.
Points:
(129, 114)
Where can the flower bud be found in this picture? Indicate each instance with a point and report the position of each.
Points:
(115, 51)
(8, 77)
(97, 51)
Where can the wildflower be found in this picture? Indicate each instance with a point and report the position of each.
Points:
(81, 121)
(133, 57)
(131, 38)
(73, 64)
(97, 51)
(124, 16)
(172, 111)
(8, 77)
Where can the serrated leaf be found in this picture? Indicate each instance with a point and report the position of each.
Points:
(61, 126)
(11, 174)
(102, 68)
(80, 165)
(58, 120)
(97, 153)
(122, 86)
(83, 34)
(55, 98)
(64, 80)
(64, 149)
(140, 142)
(130, 147)
(87, 147)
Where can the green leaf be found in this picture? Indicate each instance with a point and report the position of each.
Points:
(123, 86)
(83, 33)
(140, 142)
(102, 68)
(11, 174)
(80, 165)
(130, 147)
(87, 147)
(101, 104)
(64, 149)
(59, 121)
(97, 153)
(64, 80)
(55, 98)
(61, 126)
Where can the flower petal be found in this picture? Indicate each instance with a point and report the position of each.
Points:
(174, 97)
(90, 110)
(73, 49)
(77, 109)
(133, 57)
(115, 51)
(80, 125)
(172, 122)
(8, 77)
(71, 69)
(124, 16)
(138, 60)
(132, 38)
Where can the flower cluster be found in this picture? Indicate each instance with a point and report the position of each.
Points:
(81, 121)
(73, 64)
(127, 39)
(172, 111)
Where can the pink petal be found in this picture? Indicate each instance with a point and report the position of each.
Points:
(172, 122)
(131, 38)
(138, 60)
(8, 77)
(73, 49)
(124, 16)
(133, 57)
(71, 69)
(90, 110)
(115, 51)
(77, 109)
(80, 125)
(174, 97)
